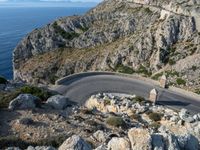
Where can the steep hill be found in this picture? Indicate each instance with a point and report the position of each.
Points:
(133, 36)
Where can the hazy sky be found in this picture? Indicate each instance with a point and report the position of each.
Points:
(62, 0)
(48, 3)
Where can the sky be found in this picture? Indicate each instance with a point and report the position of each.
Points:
(48, 3)
(59, 0)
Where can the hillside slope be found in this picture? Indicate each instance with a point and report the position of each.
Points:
(132, 36)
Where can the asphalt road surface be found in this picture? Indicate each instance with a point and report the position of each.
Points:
(80, 88)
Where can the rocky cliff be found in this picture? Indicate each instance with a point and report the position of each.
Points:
(132, 36)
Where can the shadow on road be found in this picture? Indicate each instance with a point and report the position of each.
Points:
(173, 103)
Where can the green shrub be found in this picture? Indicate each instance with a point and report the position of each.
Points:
(124, 69)
(54, 141)
(172, 73)
(197, 91)
(172, 62)
(84, 29)
(53, 79)
(194, 68)
(7, 97)
(147, 10)
(143, 70)
(86, 111)
(13, 141)
(39, 92)
(157, 76)
(155, 125)
(3, 80)
(107, 102)
(180, 81)
(138, 99)
(115, 121)
(155, 116)
(135, 116)
(63, 33)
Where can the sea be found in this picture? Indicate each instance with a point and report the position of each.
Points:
(17, 22)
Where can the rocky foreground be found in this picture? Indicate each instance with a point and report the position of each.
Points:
(145, 37)
(108, 121)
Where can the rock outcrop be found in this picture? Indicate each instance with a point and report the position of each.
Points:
(148, 37)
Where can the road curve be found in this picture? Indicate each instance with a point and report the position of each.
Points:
(78, 88)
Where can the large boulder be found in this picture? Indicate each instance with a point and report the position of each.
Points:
(140, 139)
(188, 142)
(75, 143)
(24, 101)
(119, 144)
(158, 142)
(171, 142)
(57, 102)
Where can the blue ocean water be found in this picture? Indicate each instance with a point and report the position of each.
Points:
(16, 22)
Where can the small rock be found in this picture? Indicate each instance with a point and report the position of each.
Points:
(75, 143)
(189, 120)
(184, 115)
(174, 119)
(196, 117)
(41, 148)
(101, 147)
(24, 101)
(119, 144)
(13, 148)
(100, 136)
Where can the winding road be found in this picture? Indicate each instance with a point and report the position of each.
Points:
(79, 87)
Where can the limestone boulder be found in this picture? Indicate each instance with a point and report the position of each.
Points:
(24, 101)
(75, 143)
(140, 139)
(41, 148)
(119, 144)
(188, 142)
(57, 102)
(157, 142)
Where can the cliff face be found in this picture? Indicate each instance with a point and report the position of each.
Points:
(146, 37)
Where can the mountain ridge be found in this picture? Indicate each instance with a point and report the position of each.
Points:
(145, 37)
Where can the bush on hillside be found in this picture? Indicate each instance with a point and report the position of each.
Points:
(115, 121)
(180, 81)
(155, 116)
(3, 80)
(7, 97)
(43, 94)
